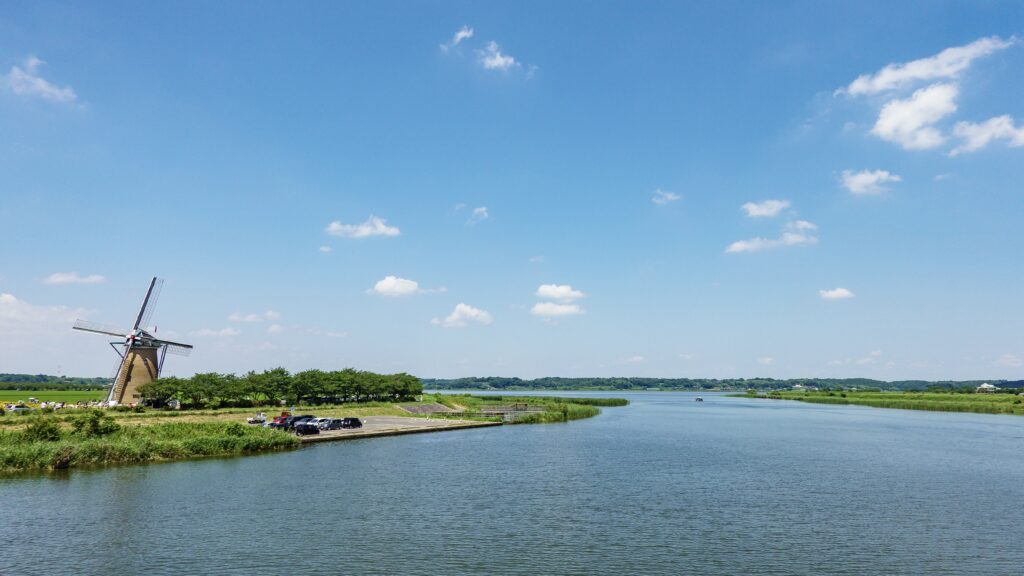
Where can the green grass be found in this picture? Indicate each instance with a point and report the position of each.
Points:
(555, 409)
(934, 401)
(69, 396)
(19, 451)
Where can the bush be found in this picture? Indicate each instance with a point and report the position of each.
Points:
(42, 429)
(93, 423)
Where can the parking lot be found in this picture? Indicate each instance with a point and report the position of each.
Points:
(394, 425)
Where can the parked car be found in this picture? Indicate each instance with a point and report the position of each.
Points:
(305, 427)
(321, 423)
(334, 424)
(351, 423)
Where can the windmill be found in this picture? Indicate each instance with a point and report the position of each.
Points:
(142, 354)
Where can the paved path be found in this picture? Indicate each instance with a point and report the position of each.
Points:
(394, 425)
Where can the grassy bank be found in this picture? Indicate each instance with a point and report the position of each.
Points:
(934, 401)
(69, 396)
(75, 438)
(546, 409)
(94, 438)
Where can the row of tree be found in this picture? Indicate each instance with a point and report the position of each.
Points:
(213, 390)
(554, 383)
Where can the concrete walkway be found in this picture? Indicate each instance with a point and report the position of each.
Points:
(393, 426)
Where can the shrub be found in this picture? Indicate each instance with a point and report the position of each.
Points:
(42, 429)
(93, 423)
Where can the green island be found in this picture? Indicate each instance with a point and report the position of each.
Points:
(1005, 401)
(211, 410)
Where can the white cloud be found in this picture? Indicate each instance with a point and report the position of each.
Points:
(766, 209)
(210, 332)
(73, 278)
(464, 33)
(637, 359)
(661, 197)
(563, 292)
(946, 64)
(868, 181)
(27, 82)
(1010, 360)
(18, 316)
(492, 59)
(373, 226)
(326, 249)
(766, 360)
(463, 315)
(395, 286)
(910, 122)
(275, 329)
(479, 214)
(536, 259)
(977, 136)
(836, 294)
(796, 233)
(253, 317)
(551, 309)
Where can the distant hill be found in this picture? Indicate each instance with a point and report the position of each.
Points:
(554, 383)
(46, 382)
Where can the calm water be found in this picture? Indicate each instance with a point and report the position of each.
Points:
(663, 486)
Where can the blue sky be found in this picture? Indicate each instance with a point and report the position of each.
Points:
(529, 189)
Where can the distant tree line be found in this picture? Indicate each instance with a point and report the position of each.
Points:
(46, 382)
(212, 390)
(697, 384)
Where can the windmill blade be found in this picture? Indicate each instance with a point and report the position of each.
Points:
(98, 328)
(149, 304)
(177, 349)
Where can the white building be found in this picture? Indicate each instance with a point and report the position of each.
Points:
(986, 388)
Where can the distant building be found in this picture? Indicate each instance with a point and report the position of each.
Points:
(986, 388)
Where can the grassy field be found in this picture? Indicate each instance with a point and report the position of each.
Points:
(73, 438)
(69, 396)
(935, 401)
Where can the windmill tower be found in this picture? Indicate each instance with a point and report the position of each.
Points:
(142, 354)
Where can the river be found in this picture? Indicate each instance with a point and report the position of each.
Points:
(665, 485)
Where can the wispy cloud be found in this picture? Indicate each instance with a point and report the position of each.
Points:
(213, 333)
(463, 33)
(18, 316)
(977, 136)
(479, 215)
(373, 226)
(1010, 360)
(254, 316)
(946, 64)
(766, 361)
(865, 182)
(463, 315)
(73, 278)
(25, 81)
(326, 249)
(836, 294)
(796, 233)
(765, 209)
(394, 286)
(554, 309)
(661, 197)
(492, 58)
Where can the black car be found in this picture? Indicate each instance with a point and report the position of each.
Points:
(351, 423)
(335, 424)
(291, 421)
(305, 427)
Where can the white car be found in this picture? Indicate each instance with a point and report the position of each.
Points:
(320, 423)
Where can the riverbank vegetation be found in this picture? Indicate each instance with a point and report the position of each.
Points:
(981, 403)
(44, 439)
(530, 409)
(95, 437)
